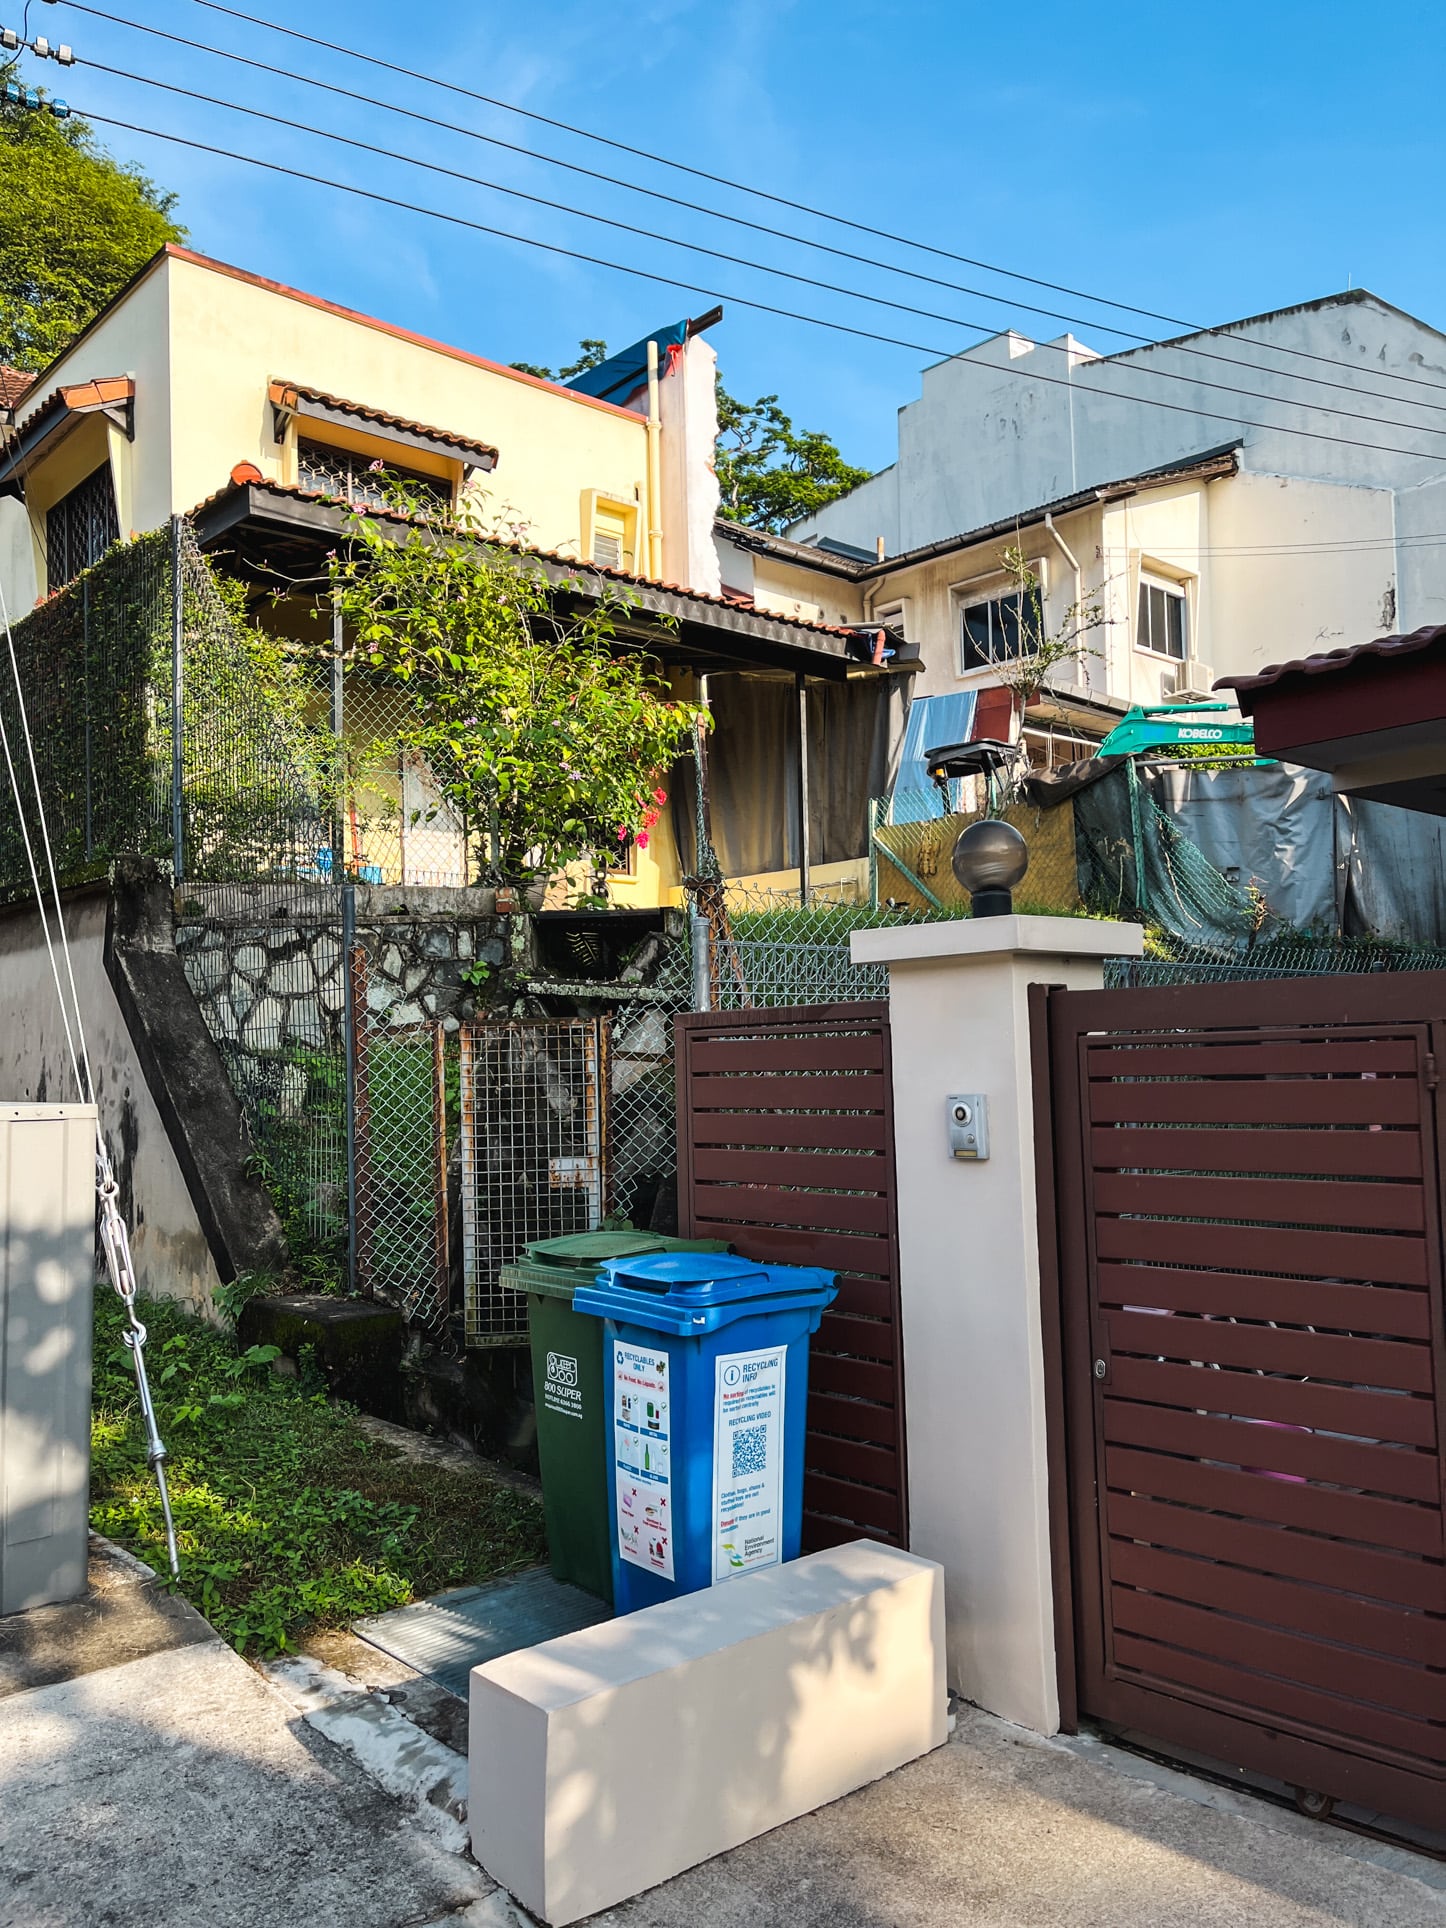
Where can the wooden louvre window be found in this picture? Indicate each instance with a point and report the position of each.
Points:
(80, 527)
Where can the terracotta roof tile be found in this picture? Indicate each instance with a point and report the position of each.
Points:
(14, 384)
(102, 392)
(287, 493)
(288, 394)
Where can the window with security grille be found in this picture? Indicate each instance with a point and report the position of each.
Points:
(80, 527)
(354, 477)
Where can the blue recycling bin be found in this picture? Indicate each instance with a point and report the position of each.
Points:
(706, 1357)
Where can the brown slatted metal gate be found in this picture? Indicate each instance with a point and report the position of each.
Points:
(1249, 1259)
(786, 1147)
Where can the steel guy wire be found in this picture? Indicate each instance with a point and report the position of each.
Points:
(716, 294)
(740, 187)
(758, 227)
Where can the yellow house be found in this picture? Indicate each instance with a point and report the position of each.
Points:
(262, 414)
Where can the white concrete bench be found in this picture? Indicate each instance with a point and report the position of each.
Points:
(609, 1760)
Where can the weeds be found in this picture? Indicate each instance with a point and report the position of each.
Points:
(287, 1513)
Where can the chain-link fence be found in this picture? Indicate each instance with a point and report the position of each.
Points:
(235, 793)
(399, 1190)
(911, 870)
(393, 823)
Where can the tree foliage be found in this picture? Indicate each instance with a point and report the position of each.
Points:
(771, 474)
(77, 225)
(542, 727)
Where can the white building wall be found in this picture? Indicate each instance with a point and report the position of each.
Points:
(1297, 566)
(1272, 566)
(172, 1257)
(1334, 397)
(134, 341)
(1421, 554)
(688, 414)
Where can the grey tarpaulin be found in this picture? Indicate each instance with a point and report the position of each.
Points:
(854, 728)
(1227, 854)
(1269, 824)
(1393, 870)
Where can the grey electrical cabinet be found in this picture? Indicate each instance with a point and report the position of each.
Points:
(47, 1277)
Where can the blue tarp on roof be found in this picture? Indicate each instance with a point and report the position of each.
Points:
(623, 377)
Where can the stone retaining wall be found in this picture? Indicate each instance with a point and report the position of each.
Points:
(262, 987)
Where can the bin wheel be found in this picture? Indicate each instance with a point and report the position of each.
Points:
(1319, 1807)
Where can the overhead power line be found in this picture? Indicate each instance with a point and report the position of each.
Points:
(757, 227)
(717, 294)
(801, 207)
(733, 260)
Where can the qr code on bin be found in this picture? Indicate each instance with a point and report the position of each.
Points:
(750, 1450)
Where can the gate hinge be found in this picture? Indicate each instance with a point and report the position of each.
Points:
(1429, 1071)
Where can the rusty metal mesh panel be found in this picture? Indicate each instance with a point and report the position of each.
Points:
(533, 1126)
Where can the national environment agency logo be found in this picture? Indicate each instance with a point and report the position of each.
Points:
(561, 1369)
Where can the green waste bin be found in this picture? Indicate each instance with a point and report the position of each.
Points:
(570, 1392)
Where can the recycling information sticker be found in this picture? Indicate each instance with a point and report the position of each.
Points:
(642, 1454)
(747, 1461)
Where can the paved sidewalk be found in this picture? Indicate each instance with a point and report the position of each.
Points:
(1003, 1830)
(177, 1788)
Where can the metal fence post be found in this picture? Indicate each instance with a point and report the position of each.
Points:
(701, 932)
(804, 854)
(178, 763)
(89, 770)
(338, 731)
(348, 1026)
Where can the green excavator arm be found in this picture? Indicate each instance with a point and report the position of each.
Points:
(1160, 729)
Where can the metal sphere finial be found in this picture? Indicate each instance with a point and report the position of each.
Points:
(989, 859)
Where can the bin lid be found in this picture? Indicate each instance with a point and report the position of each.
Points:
(693, 1292)
(585, 1251)
(555, 1267)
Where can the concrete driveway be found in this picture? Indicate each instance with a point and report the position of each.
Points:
(147, 1774)
(999, 1828)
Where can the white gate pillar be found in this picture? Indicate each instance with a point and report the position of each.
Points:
(970, 1283)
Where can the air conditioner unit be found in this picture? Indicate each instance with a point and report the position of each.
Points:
(1186, 682)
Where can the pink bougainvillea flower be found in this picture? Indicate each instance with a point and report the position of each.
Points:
(641, 840)
(377, 467)
(622, 833)
(660, 796)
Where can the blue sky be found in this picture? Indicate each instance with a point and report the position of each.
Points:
(1209, 163)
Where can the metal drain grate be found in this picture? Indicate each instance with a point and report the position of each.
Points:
(447, 1636)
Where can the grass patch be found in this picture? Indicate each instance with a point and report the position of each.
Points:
(287, 1514)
